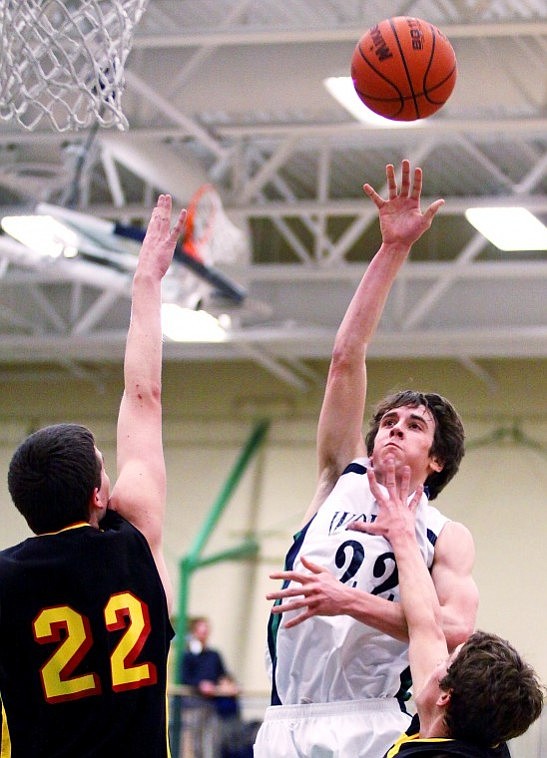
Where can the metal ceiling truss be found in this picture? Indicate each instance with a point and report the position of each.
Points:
(297, 180)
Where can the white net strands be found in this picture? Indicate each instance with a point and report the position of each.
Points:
(210, 235)
(62, 61)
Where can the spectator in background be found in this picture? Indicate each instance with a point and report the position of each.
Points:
(214, 706)
(204, 669)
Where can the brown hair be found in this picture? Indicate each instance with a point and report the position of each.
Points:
(448, 438)
(494, 694)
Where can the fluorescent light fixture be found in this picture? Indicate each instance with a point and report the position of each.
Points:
(53, 232)
(43, 234)
(187, 325)
(342, 89)
(509, 228)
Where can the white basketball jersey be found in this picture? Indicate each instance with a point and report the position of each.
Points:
(331, 658)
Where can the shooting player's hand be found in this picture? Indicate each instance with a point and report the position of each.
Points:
(318, 592)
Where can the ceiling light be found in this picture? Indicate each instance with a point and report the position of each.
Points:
(53, 232)
(187, 325)
(342, 89)
(509, 228)
(42, 234)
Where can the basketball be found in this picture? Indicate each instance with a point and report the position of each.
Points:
(404, 68)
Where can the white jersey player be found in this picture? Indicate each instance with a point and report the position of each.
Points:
(338, 636)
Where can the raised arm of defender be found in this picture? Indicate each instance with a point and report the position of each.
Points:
(396, 522)
(140, 490)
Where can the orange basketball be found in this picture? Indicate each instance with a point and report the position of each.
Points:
(404, 68)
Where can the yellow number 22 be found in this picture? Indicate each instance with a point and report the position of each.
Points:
(72, 631)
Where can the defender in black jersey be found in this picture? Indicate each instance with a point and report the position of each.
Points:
(85, 643)
(410, 744)
(482, 695)
(84, 604)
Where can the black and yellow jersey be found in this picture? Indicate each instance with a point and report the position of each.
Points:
(411, 744)
(84, 639)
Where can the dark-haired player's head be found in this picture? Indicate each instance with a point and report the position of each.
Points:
(52, 476)
(448, 438)
(494, 694)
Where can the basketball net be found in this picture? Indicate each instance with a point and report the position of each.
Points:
(210, 236)
(63, 61)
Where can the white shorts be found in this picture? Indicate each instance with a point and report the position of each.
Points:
(345, 729)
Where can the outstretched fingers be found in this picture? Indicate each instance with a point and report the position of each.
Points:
(179, 225)
(430, 212)
(407, 189)
(161, 216)
(374, 486)
(397, 491)
(297, 619)
(315, 568)
(405, 179)
(394, 489)
(417, 183)
(405, 485)
(363, 526)
(378, 201)
(292, 576)
(414, 503)
(297, 576)
(283, 594)
(162, 210)
(391, 181)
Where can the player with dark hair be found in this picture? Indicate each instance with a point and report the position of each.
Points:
(51, 475)
(468, 703)
(84, 604)
(448, 436)
(337, 636)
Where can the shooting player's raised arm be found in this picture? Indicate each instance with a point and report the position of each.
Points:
(339, 432)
